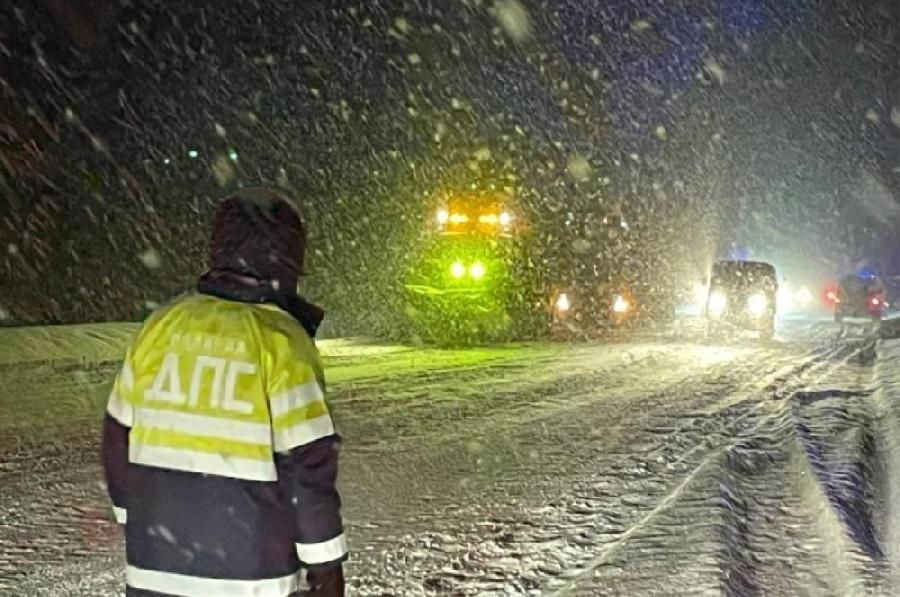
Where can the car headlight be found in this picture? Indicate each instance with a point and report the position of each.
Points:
(700, 294)
(620, 304)
(803, 297)
(717, 303)
(563, 304)
(757, 304)
(457, 270)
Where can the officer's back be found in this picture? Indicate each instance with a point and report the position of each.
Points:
(219, 449)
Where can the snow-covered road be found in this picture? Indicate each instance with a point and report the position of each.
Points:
(667, 466)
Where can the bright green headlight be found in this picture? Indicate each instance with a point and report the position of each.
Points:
(477, 270)
(457, 270)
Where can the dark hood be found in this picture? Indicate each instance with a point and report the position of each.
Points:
(258, 234)
(256, 254)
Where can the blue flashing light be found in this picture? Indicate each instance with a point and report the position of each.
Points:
(866, 273)
(739, 253)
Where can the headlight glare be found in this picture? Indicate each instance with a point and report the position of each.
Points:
(700, 294)
(757, 304)
(620, 304)
(717, 303)
(476, 270)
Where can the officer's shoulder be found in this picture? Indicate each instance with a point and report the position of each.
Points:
(278, 322)
(198, 307)
(161, 312)
(272, 322)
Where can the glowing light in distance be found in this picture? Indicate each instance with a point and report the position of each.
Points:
(757, 304)
(717, 303)
(620, 304)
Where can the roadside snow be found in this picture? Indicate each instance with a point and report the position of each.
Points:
(92, 342)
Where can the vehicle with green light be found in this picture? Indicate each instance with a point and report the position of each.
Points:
(465, 285)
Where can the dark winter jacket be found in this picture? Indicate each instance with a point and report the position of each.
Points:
(218, 447)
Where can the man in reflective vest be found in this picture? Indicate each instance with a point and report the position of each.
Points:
(219, 450)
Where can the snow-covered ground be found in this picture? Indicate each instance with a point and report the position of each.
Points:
(646, 467)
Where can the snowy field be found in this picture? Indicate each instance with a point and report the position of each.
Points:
(669, 466)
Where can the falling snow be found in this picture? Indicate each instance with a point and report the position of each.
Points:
(151, 259)
(579, 168)
(715, 70)
(895, 116)
(615, 151)
(514, 19)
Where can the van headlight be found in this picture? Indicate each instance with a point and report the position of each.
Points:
(700, 294)
(757, 304)
(717, 303)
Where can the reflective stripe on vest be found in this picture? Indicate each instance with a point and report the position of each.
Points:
(299, 416)
(324, 552)
(190, 586)
(202, 444)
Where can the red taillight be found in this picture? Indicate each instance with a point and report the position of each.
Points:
(831, 296)
(876, 301)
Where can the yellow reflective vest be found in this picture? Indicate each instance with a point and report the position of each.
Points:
(230, 448)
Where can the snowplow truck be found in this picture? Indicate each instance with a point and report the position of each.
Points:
(466, 285)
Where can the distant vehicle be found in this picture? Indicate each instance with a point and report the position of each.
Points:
(742, 295)
(626, 305)
(795, 297)
(465, 285)
(612, 286)
(860, 297)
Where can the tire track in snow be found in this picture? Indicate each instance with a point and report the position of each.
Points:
(470, 558)
(809, 365)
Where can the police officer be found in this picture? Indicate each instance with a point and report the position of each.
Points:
(218, 447)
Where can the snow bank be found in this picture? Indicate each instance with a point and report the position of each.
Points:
(105, 342)
(887, 403)
(785, 495)
(93, 343)
(346, 359)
